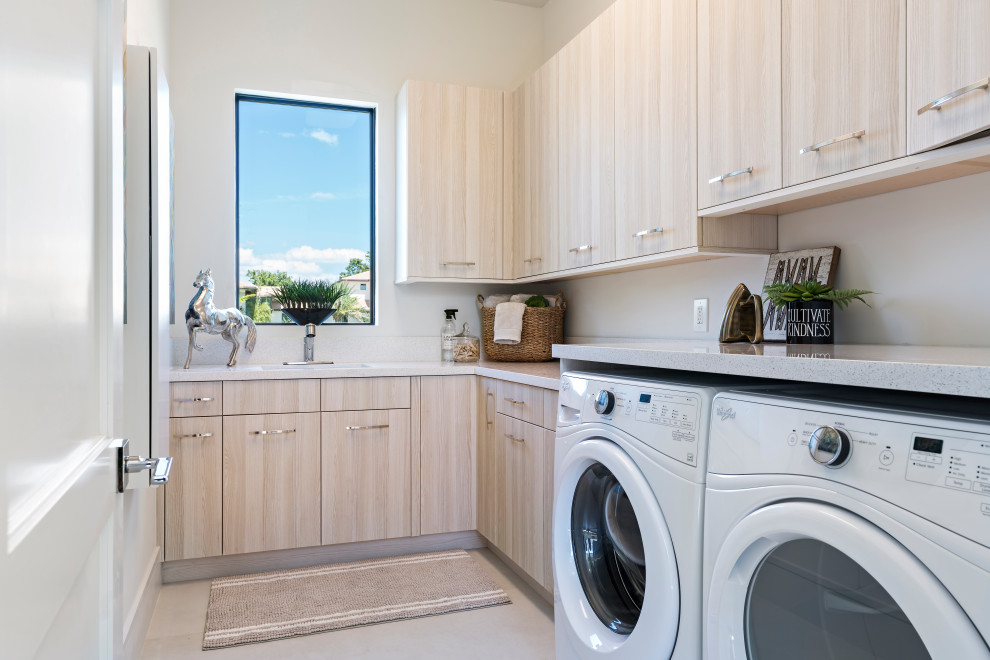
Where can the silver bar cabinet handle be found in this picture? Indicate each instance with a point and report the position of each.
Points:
(580, 248)
(842, 138)
(532, 259)
(515, 403)
(444, 264)
(365, 428)
(197, 435)
(729, 175)
(195, 399)
(514, 438)
(645, 232)
(274, 432)
(938, 103)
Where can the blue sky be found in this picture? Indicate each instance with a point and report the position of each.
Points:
(304, 188)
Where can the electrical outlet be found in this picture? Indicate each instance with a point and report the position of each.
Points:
(700, 321)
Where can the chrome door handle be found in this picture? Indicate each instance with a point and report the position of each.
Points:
(939, 102)
(514, 438)
(444, 264)
(645, 232)
(842, 138)
(197, 399)
(273, 432)
(196, 435)
(729, 175)
(580, 248)
(365, 428)
(159, 468)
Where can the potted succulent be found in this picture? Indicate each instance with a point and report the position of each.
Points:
(810, 307)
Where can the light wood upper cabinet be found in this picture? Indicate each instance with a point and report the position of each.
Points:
(193, 507)
(367, 492)
(535, 215)
(448, 453)
(450, 169)
(948, 55)
(656, 114)
(843, 86)
(739, 95)
(271, 482)
(586, 113)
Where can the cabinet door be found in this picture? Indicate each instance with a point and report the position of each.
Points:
(844, 79)
(448, 454)
(549, 439)
(656, 115)
(948, 57)
(524, 495)
(366, 476)
(271, 482)
(738, 99)
(193, 507)
(586, 114)
(491, 472)
(535, 173)
(454, 170)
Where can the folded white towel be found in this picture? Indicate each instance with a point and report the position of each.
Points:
(508, 322)
(494, 299)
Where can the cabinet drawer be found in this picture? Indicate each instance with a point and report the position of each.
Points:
(195, 399)
(193, 506)
(260, 397)
(521, 401)
(271, 482)
(550, 409)
(365, 393)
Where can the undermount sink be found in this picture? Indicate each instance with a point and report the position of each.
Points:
(317, 365)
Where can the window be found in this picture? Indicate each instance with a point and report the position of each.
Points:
(305, 202)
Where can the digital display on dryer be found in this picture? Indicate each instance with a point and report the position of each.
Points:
(930, 445)
(645, 398)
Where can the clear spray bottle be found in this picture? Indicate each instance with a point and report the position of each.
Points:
(447, 336)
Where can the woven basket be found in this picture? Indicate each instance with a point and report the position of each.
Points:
(542, 327)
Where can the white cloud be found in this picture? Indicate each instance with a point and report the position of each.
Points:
(247, 257)
(287, 135)
(323, 195)
(329, 255)
(323, 136)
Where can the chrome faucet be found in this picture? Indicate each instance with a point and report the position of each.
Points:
(308, 348)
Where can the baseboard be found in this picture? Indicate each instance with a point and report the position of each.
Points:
(138, 620)
(536, 586)
(260, 562)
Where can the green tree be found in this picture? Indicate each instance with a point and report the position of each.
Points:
(268, 278)
(350, 308)
(356, 265)
(263, 312)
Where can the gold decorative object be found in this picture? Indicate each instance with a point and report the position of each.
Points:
(743, 319)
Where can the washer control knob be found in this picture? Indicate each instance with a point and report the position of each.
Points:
(829, 446)
(604, 402)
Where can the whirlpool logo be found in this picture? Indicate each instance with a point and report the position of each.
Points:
(725, 413)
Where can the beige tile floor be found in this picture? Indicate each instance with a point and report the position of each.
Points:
(520, 630)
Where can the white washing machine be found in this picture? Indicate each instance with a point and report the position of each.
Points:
(839, 525)
(629, 482)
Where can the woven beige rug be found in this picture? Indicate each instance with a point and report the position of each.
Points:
(258, 608)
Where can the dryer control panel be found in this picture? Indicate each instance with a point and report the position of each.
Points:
(948, 462)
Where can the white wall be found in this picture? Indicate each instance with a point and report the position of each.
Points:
(563, 19)
(341, 49)
(148, 25)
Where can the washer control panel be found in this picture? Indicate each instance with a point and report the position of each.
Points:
(947, 462)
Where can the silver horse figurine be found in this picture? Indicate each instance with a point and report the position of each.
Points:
(202, 315)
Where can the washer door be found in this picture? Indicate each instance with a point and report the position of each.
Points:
(613, 557)
(811, 581)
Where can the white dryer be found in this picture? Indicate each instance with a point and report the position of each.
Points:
(629, 482)
(843, 524)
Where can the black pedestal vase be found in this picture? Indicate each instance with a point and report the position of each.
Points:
(811, 322)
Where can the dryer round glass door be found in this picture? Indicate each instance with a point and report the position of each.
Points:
(613, 557)
(816, 582)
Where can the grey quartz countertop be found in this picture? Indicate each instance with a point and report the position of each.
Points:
(537, 374)
(933, 369)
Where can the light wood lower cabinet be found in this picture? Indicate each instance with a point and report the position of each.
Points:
(549, 440)
(193, 507)
(366, 476)
(489, 476)
(521, 444)
(271, 482)
(448, 454)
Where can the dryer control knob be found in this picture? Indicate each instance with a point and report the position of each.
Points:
(604, 402)
(829, 446)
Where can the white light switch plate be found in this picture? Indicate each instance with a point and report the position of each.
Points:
(700, 319)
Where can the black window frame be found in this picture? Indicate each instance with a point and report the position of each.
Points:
(371, 111)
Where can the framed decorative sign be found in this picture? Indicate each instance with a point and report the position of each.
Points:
(797, 266)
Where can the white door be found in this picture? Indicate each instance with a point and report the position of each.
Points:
(617, 592)
(813, 581)
(61, 206)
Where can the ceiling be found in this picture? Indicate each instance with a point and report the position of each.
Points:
(528, 3)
